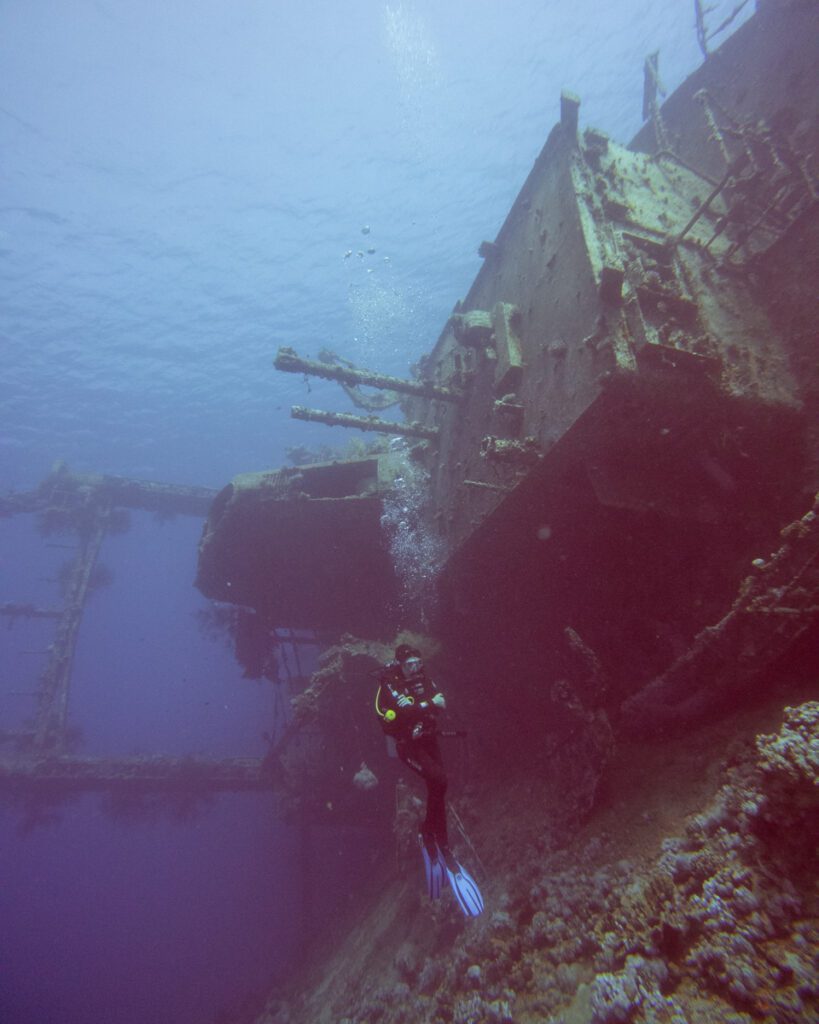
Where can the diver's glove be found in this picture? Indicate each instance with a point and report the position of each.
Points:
(403, 701)
(439, 701)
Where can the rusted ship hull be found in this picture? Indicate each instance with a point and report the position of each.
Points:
(619, 416)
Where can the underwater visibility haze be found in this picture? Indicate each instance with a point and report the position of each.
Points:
(187, 187)
(182, 184)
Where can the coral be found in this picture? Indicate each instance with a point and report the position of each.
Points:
(794, 751)
(475, 1009)
(407, 961)
(784, 810)
(718, 925)
(431, 976)
(719, 898)
(615, 999)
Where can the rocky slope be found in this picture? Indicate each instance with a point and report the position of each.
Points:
(687, 895)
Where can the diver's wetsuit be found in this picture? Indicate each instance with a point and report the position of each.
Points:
(415, 731)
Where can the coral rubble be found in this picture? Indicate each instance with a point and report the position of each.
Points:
(717, 922)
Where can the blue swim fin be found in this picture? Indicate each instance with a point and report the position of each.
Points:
(462, 883)
(433, 867)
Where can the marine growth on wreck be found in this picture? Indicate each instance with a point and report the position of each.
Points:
(592, 512)
(622, 478)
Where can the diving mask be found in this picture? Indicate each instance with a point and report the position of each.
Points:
(411, 668)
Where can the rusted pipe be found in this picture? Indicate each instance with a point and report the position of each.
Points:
(344, 419)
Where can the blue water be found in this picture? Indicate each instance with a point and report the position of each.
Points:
(180, 187)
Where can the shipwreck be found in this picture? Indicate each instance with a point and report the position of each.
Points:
(607, 466)
(616, 420)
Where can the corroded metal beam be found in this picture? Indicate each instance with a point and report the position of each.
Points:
(153, 496)
(289, 361)
(66, 490)
(774, 606)
(67, 774)
(52, 708)
(15, 610)
(344, 419)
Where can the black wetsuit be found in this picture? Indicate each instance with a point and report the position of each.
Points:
(415, 731)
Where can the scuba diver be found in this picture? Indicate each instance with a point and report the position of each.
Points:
(408, 703)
